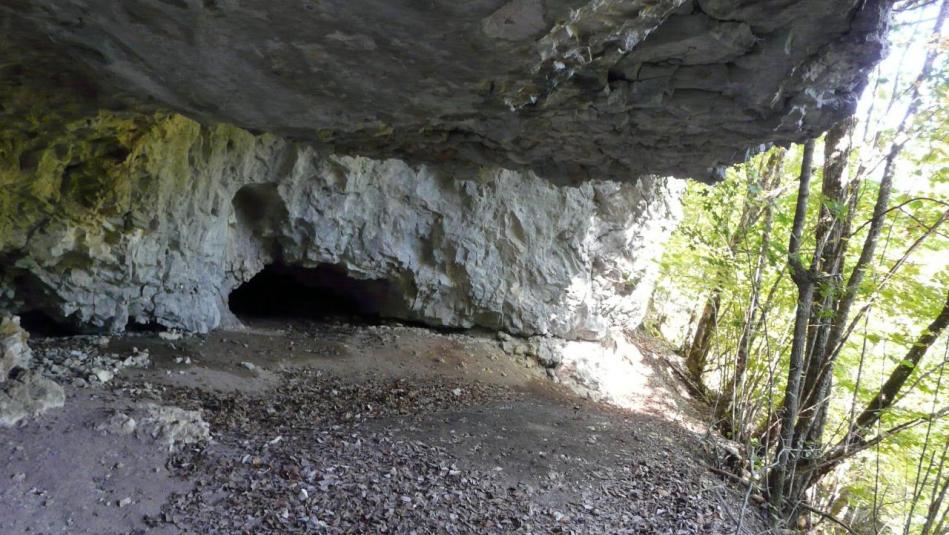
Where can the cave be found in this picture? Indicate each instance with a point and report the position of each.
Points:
(323, 292)
(365, 267)
(41, 324)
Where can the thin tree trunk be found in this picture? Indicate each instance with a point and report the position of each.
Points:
(886, 396)
(827, 339)
(934, 509)
(855, 439)
(935, 504)
(833, 225)
(837, 334)
(778, 476)
(735, 386)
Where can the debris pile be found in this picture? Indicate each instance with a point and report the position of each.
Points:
(84, 360)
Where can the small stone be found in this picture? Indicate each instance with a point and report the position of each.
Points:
(124, 502)
(249, 365)
(104, 376)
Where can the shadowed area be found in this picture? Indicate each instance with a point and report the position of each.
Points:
(325, 291)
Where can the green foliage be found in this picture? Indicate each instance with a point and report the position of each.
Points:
(706, 253)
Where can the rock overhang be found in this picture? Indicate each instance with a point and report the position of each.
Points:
(569, 89)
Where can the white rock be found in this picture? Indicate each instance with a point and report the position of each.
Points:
(119, 424)
(172, 426)
(104, 376)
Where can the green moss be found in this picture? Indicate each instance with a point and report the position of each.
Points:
(106, 173)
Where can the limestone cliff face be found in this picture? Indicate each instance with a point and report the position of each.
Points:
(117, 218)
(413, 143)
(570, 89)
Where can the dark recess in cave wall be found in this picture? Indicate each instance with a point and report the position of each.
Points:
(326, 291)
(42, 325)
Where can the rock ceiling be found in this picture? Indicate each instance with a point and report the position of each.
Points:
(571, 89)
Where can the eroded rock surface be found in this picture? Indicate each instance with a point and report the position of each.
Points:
(23, 393)
(571, 89)
(14, 350)
(156, 219)
(28, 394)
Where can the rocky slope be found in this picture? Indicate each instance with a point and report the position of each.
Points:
(572, 89)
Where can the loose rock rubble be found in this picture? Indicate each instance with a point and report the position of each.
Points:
(83, 361)
(166, 425)
(30, 380)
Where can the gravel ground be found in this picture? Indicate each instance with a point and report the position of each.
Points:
(394, 456)
(320, 428)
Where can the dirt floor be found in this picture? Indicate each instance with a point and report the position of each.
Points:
(323, 427)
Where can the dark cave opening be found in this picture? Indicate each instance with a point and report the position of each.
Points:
(323, 292)
(42, 325)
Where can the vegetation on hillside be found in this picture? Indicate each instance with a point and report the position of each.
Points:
(822, 274)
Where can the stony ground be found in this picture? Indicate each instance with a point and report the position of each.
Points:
(333, 428)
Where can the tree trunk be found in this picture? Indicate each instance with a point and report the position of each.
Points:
(887, 394)
(833, 224)
(778, 477)
(728, 401)
(697, 355)
(939, 494)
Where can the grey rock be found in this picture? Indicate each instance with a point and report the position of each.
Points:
(213, 206)
(552, 86)
(173, 426)
(513, 345)
(28, 395)
(82, 361)
(548, 351)
(165, 425)
(14, 350)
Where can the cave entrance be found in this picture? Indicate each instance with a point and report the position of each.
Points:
(42, 325)
(323, 292)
